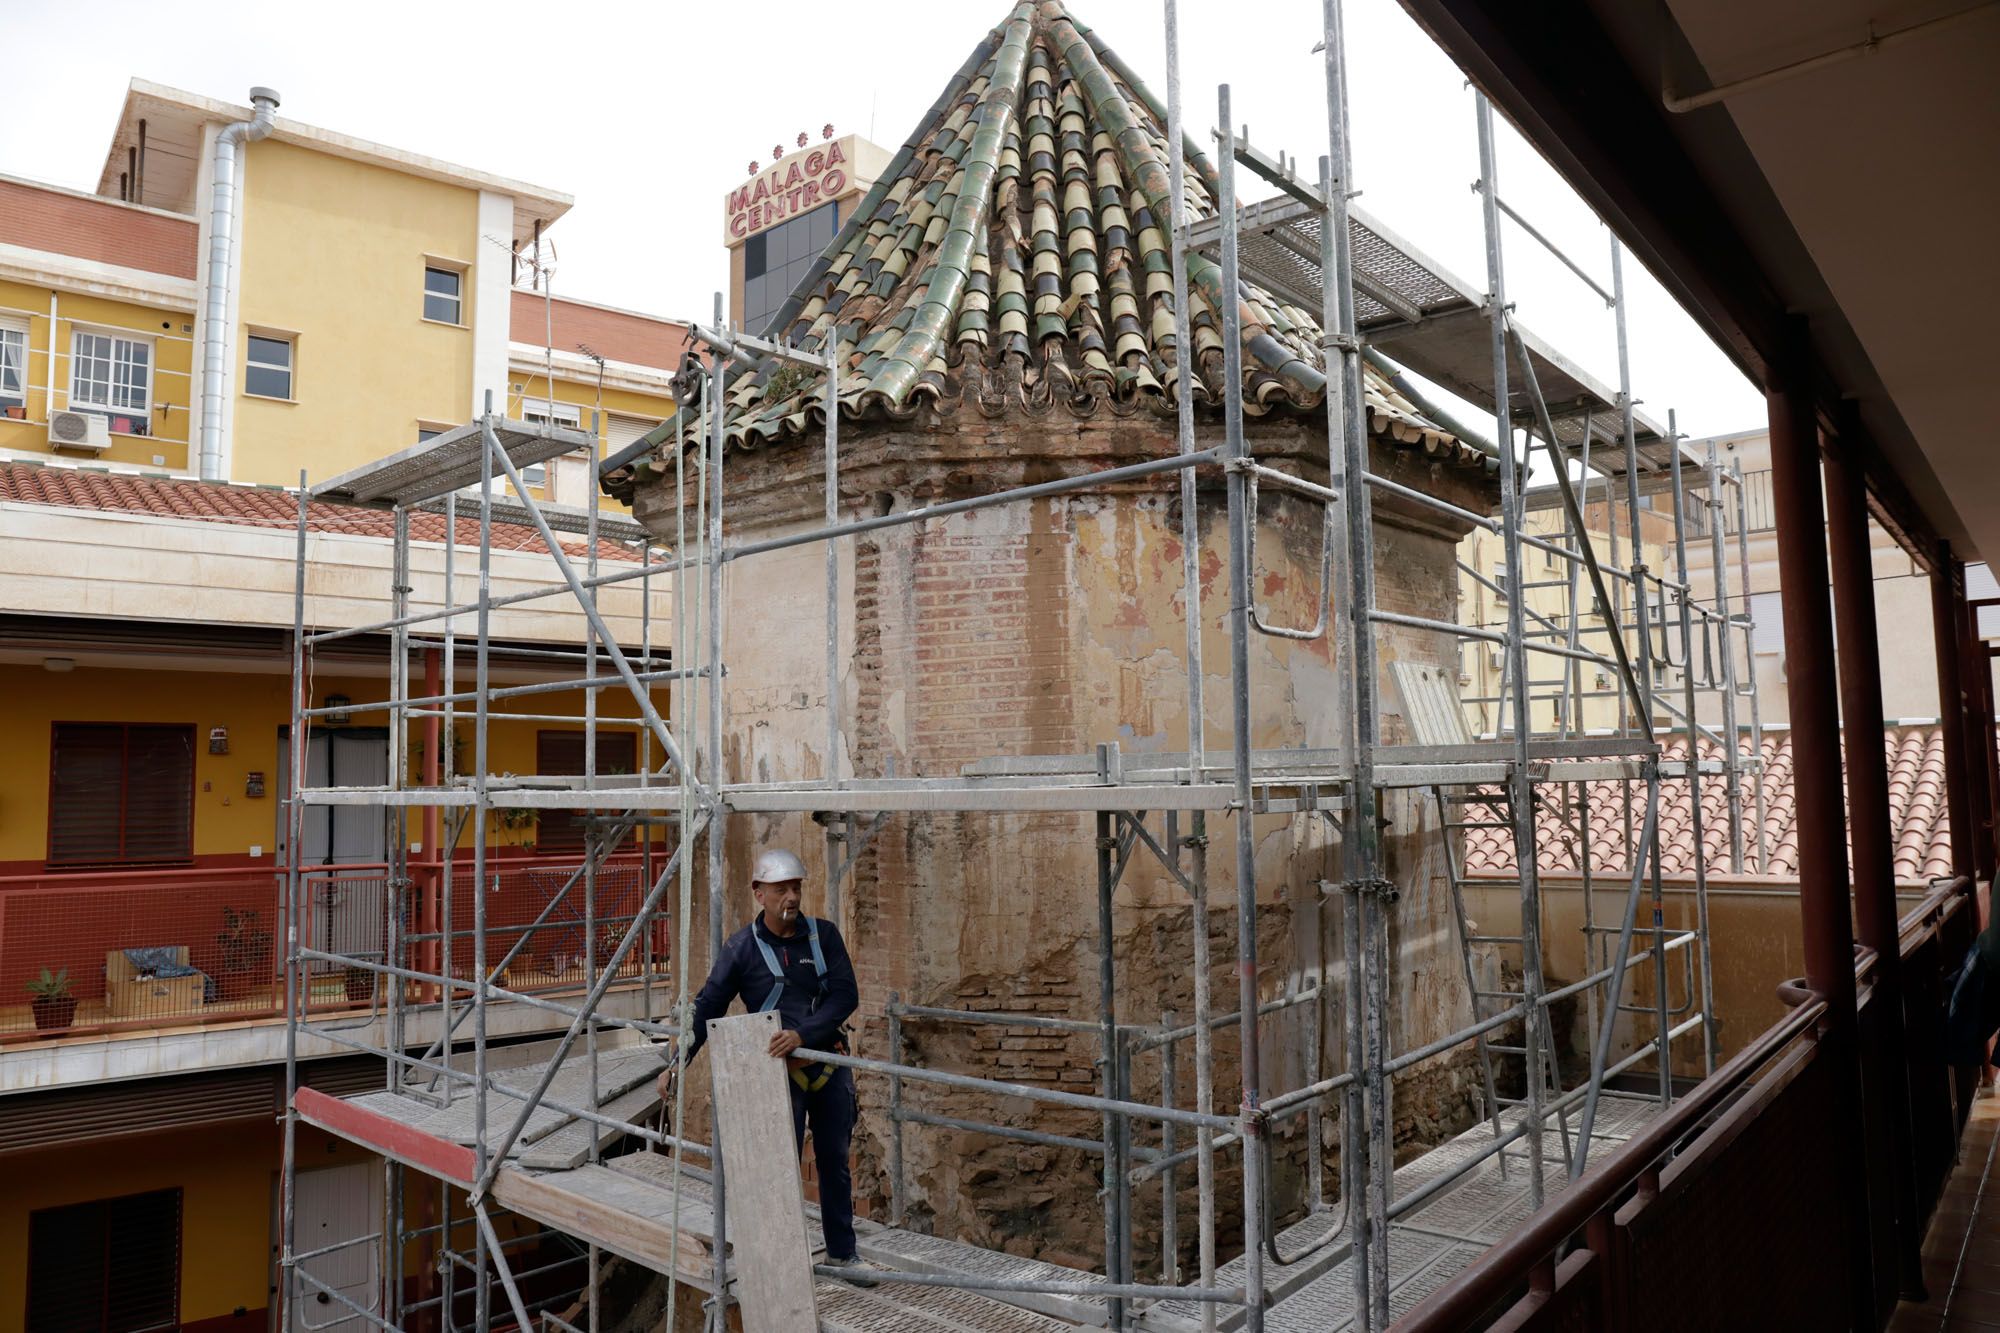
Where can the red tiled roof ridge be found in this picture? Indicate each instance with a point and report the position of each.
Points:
(1918, 819)
(244, 504)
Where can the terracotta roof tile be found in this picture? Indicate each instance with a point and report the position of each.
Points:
(251, 506)
(1917, 816)
(1016, 255)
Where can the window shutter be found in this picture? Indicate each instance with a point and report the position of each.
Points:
(108, 1266)
(143, 1240)
(560, 754)
(159, 794)
(86, 794)
(121, 794)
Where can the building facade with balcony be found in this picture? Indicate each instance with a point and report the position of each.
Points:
(1902, 596)
(145, 647)
(369, 297)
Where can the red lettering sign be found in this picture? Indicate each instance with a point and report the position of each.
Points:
(788, 188)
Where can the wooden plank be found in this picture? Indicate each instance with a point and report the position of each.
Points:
(391, 1138)
(766, 1211)
(620, 1214)
(570, 1145)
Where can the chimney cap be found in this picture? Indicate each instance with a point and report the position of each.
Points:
(262, 94)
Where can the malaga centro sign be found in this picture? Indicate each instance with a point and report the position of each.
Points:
(795, 184)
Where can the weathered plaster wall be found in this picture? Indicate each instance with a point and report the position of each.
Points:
(1048, 627)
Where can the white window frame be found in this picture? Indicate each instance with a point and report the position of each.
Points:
(128, 337)
(552, 412)
(12, 327)
(455, 270)
(291, 366)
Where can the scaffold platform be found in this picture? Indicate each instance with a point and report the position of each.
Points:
(640, 1207)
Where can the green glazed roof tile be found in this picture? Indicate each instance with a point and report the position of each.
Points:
(1026, 200)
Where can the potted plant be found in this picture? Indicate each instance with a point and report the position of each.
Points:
(54, 1006)
(516, 820)
(246, 952)
(360, 985)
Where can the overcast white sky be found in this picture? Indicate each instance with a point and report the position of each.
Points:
(648, 112)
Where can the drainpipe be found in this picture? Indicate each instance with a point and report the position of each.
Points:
(221, 233)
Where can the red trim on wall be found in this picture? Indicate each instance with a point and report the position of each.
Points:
(391, 1138)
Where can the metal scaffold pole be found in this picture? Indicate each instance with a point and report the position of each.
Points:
(1718, 564)
(450, 1029)
(1696, 815)
(294, 838)
(711, 790)
(1196, 843)
(1520, 782)
(1250, 1126)
(1367, 1152)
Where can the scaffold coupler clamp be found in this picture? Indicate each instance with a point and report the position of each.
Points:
(1385, 889)
(1340, 342)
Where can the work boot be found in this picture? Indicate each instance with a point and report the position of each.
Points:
(855, 1271)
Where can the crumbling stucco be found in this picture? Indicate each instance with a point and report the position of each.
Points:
(1048, 627)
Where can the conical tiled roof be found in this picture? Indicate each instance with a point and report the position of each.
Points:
(1015, 255)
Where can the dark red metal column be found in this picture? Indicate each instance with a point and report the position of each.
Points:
(1983, 740)
(1977, 677)
(1826, 926)
(1947, 576)
(1884, 1076)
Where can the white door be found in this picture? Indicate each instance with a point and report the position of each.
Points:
(338, 1204)
(347, 914)
(337, 834)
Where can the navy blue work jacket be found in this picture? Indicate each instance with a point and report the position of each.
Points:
(810, 1005)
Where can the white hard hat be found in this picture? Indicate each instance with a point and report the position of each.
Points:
(776, 867)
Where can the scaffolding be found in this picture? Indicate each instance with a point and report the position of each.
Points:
(449, 1116)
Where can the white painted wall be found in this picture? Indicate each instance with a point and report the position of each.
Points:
(492, 281)
(82, 562)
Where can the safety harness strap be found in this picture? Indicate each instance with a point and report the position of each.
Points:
(771, 961)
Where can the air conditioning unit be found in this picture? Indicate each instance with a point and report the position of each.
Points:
(85, 431)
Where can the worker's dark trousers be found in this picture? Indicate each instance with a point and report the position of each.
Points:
(830, 1109)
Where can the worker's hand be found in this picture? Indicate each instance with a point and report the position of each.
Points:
(668, 1077)
(785, 1043)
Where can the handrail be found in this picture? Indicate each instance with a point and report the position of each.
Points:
(1497, 1273)
(1943, 897)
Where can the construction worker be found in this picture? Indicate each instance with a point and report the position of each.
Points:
(797, 966)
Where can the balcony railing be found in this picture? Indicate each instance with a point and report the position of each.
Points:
(1758, 514)
(1723, 1212)
(153, 949)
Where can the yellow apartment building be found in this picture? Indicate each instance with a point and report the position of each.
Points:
(238, 304)
(242, 299)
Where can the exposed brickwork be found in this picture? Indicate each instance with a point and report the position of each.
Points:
(1045, 628)
(616, 335)
(96, 229)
